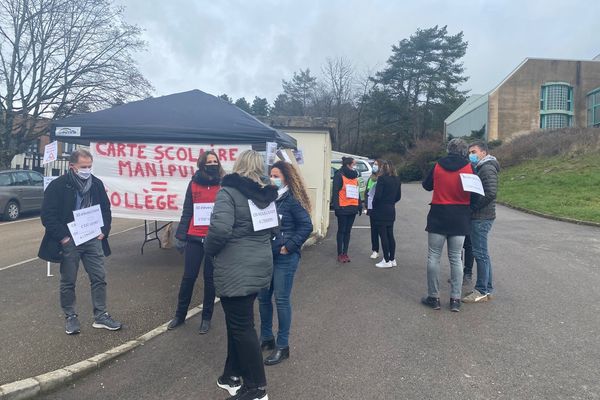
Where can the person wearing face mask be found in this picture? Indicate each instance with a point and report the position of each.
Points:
(369, 195)
(293, 207)
(190, 235)
(346, 204)
(76, 190)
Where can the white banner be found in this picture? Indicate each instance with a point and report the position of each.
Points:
(149, 180)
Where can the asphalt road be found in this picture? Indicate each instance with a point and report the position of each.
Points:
(361, 333)
(142, 292)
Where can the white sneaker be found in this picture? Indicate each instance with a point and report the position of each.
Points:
(384, 264)
(374, 255)
(393, 263)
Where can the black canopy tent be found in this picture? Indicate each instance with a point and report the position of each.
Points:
(192, 117)
(188, 117)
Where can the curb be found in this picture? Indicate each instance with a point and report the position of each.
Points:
(548, 216)
(31, 387)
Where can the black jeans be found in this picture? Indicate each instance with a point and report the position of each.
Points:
(374, 237)
(345, 223)
(244, 357)
(194, 253)
(469, 258)
(388, 243)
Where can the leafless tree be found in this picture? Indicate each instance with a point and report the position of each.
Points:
(59, 56)
(338, 74)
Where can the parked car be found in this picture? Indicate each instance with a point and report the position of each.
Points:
(20, 191)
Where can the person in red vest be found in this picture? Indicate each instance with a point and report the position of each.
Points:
(193, 227)
(449, 220)
(346, 204)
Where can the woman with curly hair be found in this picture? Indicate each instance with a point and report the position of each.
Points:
(293, 207)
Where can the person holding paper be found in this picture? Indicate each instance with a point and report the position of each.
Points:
(383, 214)
(449, 220)
(67, 200)
(293, 207)
(239, 239)
(346, 204)
(484, 215)
(193, 227)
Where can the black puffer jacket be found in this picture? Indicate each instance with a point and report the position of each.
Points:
(387, 194)
(243, 259)
(484, 207)
(296, 225)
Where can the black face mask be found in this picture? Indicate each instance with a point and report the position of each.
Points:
(212, 170)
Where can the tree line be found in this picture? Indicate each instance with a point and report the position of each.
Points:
(382, 112)
(62, 57)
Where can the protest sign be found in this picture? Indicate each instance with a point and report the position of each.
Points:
(86, 225)
(472, 183)
(149, 180)
(299, 156)
(263, 218)
(271, 152)
(50, 152)
(202, 213)
(352, 191)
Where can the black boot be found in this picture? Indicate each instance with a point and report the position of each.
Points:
(204, 326)
(175, 322)
(278, 355)
(267, 344)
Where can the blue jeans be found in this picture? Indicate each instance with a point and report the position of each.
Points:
(480, 228)
(284, 269)
(436, 245)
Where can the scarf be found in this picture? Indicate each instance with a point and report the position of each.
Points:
(83, 188)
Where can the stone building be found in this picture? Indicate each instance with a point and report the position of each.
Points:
(538, 94)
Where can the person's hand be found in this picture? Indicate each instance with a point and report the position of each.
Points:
(65, 240)
(180, 245)
(284, 250)
(100, 237)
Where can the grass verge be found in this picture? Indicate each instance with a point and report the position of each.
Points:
(561, 186)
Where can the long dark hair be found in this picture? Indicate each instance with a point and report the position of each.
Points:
(201, 164)
(387, 168)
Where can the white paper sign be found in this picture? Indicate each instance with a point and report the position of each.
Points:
(271, 152)
(299, 156)
(352, 191)
(47, 180)
(50, 152)
(68, 131)
(371, 197)
(472, 183)
(263, 218)
(284, 156)
(81, 235)
(202, 213)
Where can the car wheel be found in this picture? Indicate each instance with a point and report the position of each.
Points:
(12, 211)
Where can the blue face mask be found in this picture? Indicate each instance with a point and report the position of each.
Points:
(473, 158)
(277, 182)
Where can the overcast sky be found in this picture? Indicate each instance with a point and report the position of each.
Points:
(245, 48)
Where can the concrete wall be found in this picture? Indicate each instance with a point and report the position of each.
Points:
(514, 106)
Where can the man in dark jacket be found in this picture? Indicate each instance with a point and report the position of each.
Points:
(483, 216)
(77, 190)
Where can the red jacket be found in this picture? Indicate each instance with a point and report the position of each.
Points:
(201, 194)
(202, 189)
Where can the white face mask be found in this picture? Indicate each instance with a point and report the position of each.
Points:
(84, 173)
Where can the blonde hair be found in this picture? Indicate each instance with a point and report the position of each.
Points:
(250, 164)
(295, 183)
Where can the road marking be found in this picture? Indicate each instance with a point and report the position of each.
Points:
(16, 222)
(36, 258)
(361, 227)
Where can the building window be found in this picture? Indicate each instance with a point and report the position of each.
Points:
(556, 105)
(593, 108)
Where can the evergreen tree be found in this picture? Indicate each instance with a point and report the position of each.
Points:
(300, 89)
(260, 106)
(243, 105)
(226, 98)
